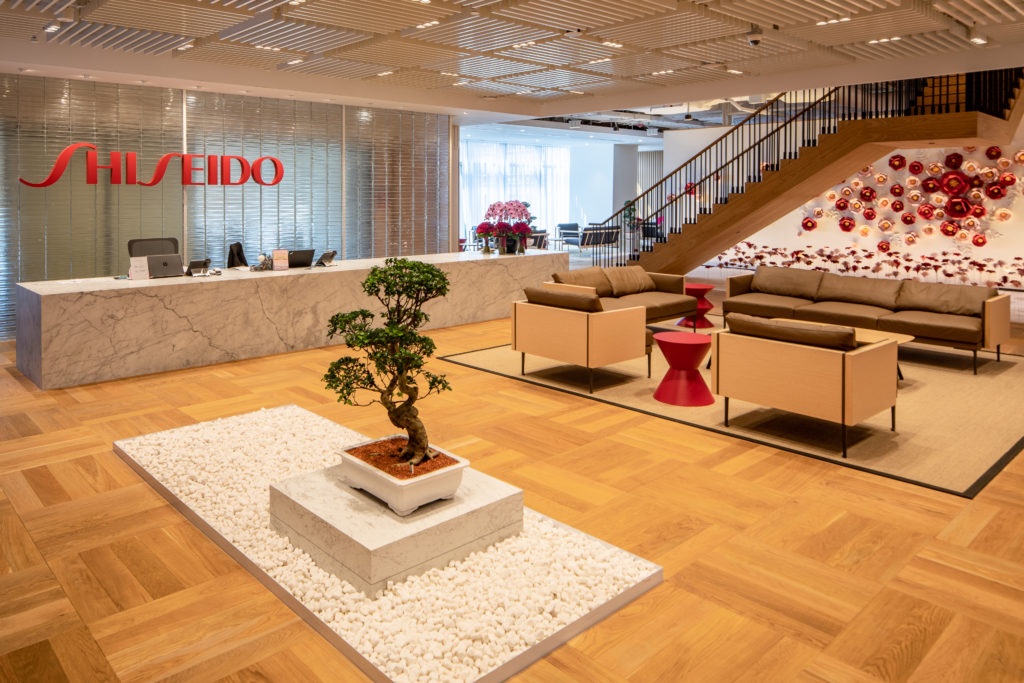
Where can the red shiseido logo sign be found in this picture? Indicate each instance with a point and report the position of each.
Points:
(124, 167)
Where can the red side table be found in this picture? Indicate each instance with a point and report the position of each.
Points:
(697, 320)
(683, 384)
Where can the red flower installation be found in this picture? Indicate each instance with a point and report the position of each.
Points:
(980, 240)
(915, 167)
(955, 183)
(993, 152)
(926, 211)
(846, 224)
(897, 206)
(842, 204)
(897, 162)
(977, 181)
(896, 190)
(908, 219)
(809, 224)
(884, 247)
(995, 191)
(949, 228)
(954, 160)
(978, 211)
(1007, 179)
(931, 185)
(868, 194)
(869, 214)
(958, 207)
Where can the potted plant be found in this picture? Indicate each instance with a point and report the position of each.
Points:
(391, 369)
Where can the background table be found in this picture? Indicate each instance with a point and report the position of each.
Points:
(697, 320)
(683, 384)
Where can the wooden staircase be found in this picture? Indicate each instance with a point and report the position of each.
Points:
(938, 115)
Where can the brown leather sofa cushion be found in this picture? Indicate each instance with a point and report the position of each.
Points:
(589, 303)
(829, 336)
(658, 305)
(964, 329)
(669, 282)
(842, 313)
(943, 298)
(795, 282)
(629, 280)
(586, 277)
(764, 305)
(859, 290)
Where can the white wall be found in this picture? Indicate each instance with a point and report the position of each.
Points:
(681, 145)
(625, 170)
(590, 184)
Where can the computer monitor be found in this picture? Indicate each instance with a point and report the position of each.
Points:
(165, 265)
(198, 267)
(300, 258)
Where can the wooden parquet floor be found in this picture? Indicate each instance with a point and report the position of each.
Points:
(777, 567)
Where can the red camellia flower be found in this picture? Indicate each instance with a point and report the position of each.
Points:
(955, 183)
(896, 190)
(979, 240)
(931, 185)
(868, 194)
(869, 214)
(915, 167)
(954, 160)
(908, 218)
(995, 191)
(978, 211)
(949, 228)
(846, 224)
(1007, 179)
(958, 207)
(993, 153)
(842, 204)
(897, 206)
(897, 161)
(926, 211)
(884, 247)
(809, 224)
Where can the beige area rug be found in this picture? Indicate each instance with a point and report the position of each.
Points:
(954, 430)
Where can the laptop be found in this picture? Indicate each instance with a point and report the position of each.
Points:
(300, 258)
(165, 265)
(326, 258)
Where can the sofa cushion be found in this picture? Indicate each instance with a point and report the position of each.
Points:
(964, 329)
(812, 334)
(939, 297)
(765, 305)
(796, 282)
(859, 290)
(629, 280)
(550, 297)
(669, 282)
(588, 277)
(659, 305)
(842, 313)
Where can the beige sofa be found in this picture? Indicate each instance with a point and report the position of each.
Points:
(806, 368)
(573, 327)
(960, 316)
(662, 295)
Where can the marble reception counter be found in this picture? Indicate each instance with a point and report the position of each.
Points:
(72, 332)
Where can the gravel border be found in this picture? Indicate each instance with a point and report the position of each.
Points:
(455, 623)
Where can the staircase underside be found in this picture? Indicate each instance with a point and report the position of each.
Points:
(836, 156)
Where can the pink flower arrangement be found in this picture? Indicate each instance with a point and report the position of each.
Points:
(513, 210)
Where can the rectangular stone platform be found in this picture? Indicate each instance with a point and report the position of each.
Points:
(356, 537)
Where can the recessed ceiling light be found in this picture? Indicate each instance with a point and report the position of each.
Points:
(52, 27)
(297, 60)
(385, 73)
(610, 43)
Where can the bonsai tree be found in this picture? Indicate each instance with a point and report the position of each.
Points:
(393, 354)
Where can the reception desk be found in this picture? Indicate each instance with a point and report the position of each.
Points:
(72, 332)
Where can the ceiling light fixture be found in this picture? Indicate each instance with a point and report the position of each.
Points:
(186, 46)
(297, 60)
(385, 73)
(883, 40)
(52, 27)
(975, 37)
(609, 43)
(428, 24)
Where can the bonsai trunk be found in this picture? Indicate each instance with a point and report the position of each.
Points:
(406, 416)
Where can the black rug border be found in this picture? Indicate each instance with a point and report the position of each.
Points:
(969, 493)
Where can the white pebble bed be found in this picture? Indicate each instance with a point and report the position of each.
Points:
(452, 624)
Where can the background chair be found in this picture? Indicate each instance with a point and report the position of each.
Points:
(152, 246)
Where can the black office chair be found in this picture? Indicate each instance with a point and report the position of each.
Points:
(152, 246)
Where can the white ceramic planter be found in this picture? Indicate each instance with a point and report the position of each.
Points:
(403, 496)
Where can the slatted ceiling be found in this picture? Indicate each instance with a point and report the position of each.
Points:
(39, 5)
(636, 65)
(583, 14)
(18, 25)
(982, 12)
(166, 16)
(557, 78)
(563, 51)
(375, 16)
(686, 76)
(1005, 33)
(247, 5)
(481, 33)
(398, 52)
(870, 27)
(661, 32)
(492, 87)
(789, 13)
(337, 68)
(932, 43)
(484, 67)
(419, 78)
(103, 36)
(294, 35)
(237, 54)
(544, 94)
(731, 49)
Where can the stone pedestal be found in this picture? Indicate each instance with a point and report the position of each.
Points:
(356, 537)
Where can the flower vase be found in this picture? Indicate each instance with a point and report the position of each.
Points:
(521, 245)
(487, 246)
(502, 245)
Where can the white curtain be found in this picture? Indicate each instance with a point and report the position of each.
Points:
(498, 172)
